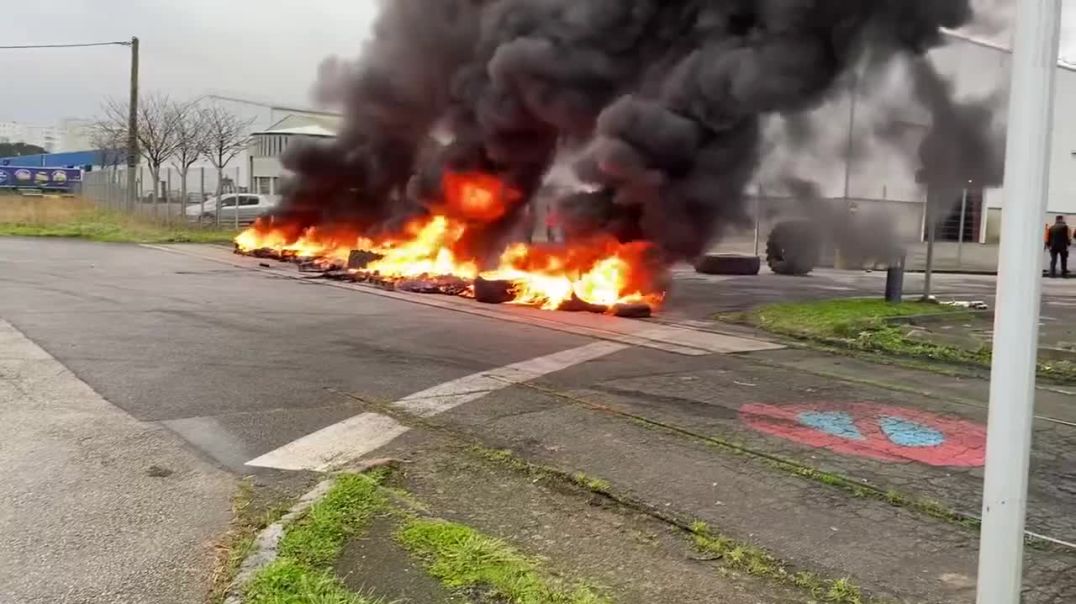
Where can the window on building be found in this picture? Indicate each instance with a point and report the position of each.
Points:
(262, 184)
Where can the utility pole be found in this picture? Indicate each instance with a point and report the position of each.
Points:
(849, 147)
(132, 129)
(1016, 321)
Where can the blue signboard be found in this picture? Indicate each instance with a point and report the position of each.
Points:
(39, 178)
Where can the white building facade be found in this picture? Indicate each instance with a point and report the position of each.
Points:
(46, 137)
(850, 164)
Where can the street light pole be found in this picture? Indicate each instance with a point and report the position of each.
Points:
(1016, 322)
(132, 128)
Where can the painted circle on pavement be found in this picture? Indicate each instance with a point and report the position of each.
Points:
(874, 431)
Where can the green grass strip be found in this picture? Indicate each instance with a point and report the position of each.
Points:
(860, 325)
(102, 228)
(286, 581)
(462, 558)
(302, 572)
(757, 562)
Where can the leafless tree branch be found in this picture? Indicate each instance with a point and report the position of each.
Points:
(227, 135)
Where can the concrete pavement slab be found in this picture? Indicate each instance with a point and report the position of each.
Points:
(96, 506)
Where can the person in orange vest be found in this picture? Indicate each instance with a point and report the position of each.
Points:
(1058, 240)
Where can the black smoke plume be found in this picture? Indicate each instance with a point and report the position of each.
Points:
(663, 99)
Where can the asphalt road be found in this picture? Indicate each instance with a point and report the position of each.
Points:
(235, 362)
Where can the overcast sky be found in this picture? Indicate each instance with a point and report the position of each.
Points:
(261, 49)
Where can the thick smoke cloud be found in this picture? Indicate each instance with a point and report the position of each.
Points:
(662, 100)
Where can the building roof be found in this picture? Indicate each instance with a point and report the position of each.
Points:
(309, 130)
(56, 160)
(305, 125)
(269, 105)
(959, 35)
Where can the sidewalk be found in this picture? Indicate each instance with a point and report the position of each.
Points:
(96, 506)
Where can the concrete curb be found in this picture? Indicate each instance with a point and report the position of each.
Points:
(267, 541)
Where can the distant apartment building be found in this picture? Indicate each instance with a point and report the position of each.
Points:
(46, 137)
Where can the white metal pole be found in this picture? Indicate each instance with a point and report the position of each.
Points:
(932, 229)
(1016, 322)
(758, 210)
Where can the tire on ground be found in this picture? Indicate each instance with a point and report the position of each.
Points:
(728, 264)
(793, 248)
(493, 291)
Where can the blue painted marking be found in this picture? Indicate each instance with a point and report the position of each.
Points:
(910, 434)
(837, 423)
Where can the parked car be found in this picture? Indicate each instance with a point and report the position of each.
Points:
(248, 205)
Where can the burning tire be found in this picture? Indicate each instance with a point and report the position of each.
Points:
(493, 292)
(793, 248)
(728, 264)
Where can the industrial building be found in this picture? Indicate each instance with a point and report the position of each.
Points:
(852, 170)
(271, 128)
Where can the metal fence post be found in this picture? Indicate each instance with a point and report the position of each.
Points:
(236, 187)
(168, 194)
(960, 235)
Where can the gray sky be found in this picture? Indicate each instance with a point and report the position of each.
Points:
(262, 49)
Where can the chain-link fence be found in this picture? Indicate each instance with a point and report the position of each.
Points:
(167, 199)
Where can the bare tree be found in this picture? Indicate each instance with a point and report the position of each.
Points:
(110, 141)
(226, 137)
(190, 145)
(158, 123)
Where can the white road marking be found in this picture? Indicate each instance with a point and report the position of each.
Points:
(445, 396)
(347, 441)
(334, 445)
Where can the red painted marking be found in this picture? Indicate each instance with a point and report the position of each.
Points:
(964, 446)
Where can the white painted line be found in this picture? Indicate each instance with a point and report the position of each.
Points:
(334, 445)
(346, 441)
(443, 397)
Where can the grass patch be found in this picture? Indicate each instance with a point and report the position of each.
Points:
(757, 562)
(79, 218)
(302, 572)
(835, 318)
(463, 558)
(860, 325)
(286, 581)
(247, 520)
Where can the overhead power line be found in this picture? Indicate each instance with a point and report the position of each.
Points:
(65, 45)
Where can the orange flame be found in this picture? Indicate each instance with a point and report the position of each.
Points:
(600, 272)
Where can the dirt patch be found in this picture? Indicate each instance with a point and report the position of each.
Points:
(375, 563)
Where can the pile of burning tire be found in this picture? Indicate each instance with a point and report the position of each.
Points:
(481, 290)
